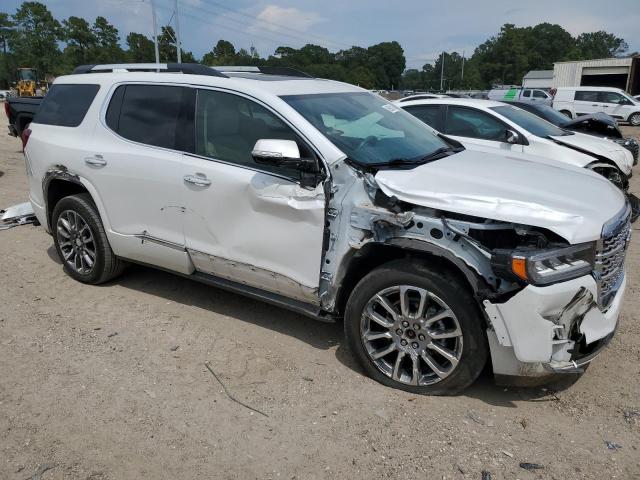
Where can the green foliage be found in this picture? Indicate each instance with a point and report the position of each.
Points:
(32, 37)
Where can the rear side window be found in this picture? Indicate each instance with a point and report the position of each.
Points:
(429, 114)
(586, 96)
(157, 115)
(66, 104)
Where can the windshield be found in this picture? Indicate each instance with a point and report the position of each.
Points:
(26, 75)
(367, 128)
(530, 122)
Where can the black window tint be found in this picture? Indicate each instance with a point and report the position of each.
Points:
(66, 104)
(228, 127)
(429, 114)
(538, 94)
(612, 97)
(155, 115)
(527, 93)
(467, 122)
(586, 96)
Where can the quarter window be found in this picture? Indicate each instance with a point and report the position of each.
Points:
(468, 122)
(157, 115)
(66, 104)
(228, 127)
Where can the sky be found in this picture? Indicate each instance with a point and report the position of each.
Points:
(423, 28)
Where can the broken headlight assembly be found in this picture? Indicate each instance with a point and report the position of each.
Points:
(553, 266)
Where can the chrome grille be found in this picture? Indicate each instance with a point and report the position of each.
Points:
(609, 264)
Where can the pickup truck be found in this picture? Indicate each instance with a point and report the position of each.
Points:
(20, 112)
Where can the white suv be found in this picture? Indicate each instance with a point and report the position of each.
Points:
(321, 197)
(576, 101)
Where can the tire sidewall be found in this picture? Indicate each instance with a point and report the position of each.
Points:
(89, 214)
(447, 288)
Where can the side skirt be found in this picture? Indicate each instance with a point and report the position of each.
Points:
(303, 308)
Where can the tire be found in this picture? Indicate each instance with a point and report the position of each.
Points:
(634, 119)
(91, 259)
(443, 288)
(566, 113)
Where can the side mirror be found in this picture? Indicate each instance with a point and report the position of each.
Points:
(511, 136)
(275, 152)
(285, 153)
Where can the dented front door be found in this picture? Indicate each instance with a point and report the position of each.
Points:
(243, 221)
(254, 228)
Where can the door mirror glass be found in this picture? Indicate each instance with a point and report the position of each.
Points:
(275, 151)
(511, 136)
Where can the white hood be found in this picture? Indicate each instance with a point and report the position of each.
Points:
(600, 146)
(572, 202)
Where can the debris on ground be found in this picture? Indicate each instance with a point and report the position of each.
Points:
(508, 454)
(112, 334)
(531, 466)
(630, 414)
(486, 475)
(612, 445)
(174, 348)
(230, 395)
(41, 469)
(15, 215)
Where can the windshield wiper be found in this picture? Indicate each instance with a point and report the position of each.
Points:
(435, 155)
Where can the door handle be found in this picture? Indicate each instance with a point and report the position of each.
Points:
(198, 179)
(95, 161)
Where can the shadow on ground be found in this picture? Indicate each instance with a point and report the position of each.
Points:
(317, 334)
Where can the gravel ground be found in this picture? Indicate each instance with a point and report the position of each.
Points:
(110, 382)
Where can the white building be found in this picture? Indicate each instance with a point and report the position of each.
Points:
(538, 79)
(621, 73)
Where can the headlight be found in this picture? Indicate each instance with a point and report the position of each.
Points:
(544, 268)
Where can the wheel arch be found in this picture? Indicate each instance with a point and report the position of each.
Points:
(374, 255)
(59, 182)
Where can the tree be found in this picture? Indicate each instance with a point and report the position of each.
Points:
(8, 64)
(223, 53)
(80, 40)
(140, 49)
(600, 45)
(35, 39)
(386, 61)
(107, 48)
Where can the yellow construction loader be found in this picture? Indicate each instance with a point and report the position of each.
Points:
(27, 84)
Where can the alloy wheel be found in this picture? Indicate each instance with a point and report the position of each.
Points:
(411, 335)
(76, 242)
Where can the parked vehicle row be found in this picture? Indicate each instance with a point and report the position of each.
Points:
(576, 101)
(326, 199)
(492, 126)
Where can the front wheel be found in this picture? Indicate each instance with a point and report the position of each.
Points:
(566, 113)
(634, 119)
(416, 329)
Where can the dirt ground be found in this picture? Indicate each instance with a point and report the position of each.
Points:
(110, 382)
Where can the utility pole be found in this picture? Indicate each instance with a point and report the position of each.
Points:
(155, 31)
(442, 71)
(178, 44)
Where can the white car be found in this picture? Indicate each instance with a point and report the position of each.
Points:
(576, 101)
(490, 126)
(323, 198)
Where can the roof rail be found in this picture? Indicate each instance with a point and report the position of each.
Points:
(188, 68)
(266, 70)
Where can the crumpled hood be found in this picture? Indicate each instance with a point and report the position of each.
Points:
(573, 202)
(598, 122)
(599, 146)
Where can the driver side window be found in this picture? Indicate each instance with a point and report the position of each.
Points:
(472, 123)
(612, 97)
(228, 127)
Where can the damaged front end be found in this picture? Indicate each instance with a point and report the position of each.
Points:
(549, 306)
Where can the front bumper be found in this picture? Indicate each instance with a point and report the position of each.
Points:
(553, 329)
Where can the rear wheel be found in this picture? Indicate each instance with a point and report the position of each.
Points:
(416, 329)
(566, 113)
(81, 241)
(634, 119)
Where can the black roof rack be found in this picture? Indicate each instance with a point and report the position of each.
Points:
(188, 68)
